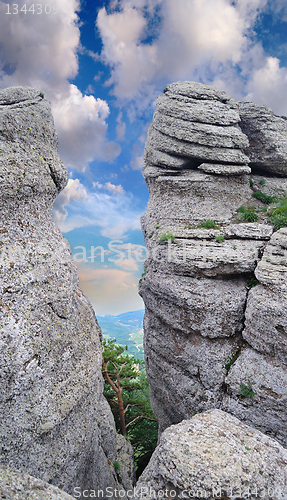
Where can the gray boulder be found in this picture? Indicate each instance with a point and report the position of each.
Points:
(195, 123)
(214, 455)
(54, 421)
(16, 485)
(268, 137)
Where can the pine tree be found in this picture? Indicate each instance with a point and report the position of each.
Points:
(127, 392)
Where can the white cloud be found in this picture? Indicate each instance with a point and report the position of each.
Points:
(114, 189)
(137, 162)
(191, 33)
(81, 126)
(189, 40)
(73, 191)
(127, 264)
(137, 157)
(41, 51)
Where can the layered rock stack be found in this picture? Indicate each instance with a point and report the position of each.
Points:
(212, 339)
(54, 422)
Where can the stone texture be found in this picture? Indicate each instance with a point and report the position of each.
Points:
(214, 455)
(272, 268)
(249, 230)
(212, 308)
(207, 328)
(196, 122)
(54, 421)
(193, 110)
(196, 150)
(215, 136)
(189, 366)
(126, 460)
(200, 91)
(196, 258)
(266, 317)
(16, 485)
(267, 408)
(218, 169)
(266, 322)
(268, 137)
(193, 197)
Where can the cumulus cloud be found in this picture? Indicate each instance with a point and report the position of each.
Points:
(148, 43)
(115, 189)
(81, 126)
(41, 51)
(190, 33)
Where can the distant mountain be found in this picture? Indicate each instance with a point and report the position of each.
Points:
(126, 328)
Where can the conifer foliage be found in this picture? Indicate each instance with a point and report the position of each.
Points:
(127, 391)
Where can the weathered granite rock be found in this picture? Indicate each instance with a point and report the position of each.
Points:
(205, 321)
(218, 169)
(268, 137)
(198, 122)
(198, 150)
(214, 258)
(200, 91)
(203, 111)
(16, 485)
(266, 314)
(215, 136)
(189, 366)
(54, 421)
(265, 405)
(266, 322)
(126, 460)
(192, 197)
(214, 455)
(272, 268)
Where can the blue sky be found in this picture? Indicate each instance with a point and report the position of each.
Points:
(102, 64)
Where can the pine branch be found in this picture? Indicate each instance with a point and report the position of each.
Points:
(140, 416)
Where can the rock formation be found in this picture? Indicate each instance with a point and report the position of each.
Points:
(212, 339)
(214, 455)
(54, 422)
(15, 485)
